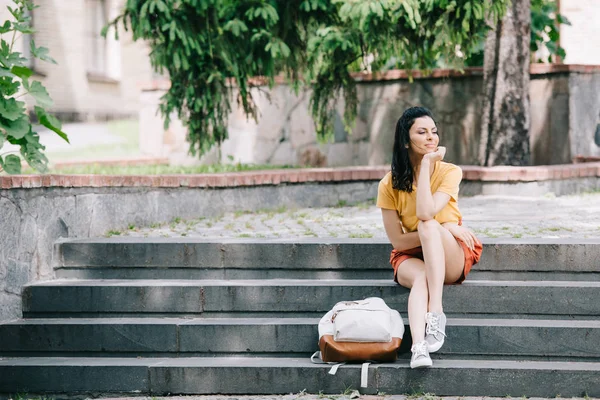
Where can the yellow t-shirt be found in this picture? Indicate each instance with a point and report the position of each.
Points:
(445, 178)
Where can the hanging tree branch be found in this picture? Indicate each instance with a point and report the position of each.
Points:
(204, 45)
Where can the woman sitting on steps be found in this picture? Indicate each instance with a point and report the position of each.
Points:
(418, 201)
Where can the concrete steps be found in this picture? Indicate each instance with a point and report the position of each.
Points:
(282, 337)
(168, 258)
(165, 316)
(296, 297)
(162, 376)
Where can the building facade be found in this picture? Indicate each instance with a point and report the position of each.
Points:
(95, 78)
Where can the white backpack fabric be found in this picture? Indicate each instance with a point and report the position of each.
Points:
(365, 321)
(368, 320)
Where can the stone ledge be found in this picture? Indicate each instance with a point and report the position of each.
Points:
(502, 174)
(402, 74)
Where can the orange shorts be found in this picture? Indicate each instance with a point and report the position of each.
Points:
(471, 258)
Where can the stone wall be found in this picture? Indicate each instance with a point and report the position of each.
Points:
(564, 116)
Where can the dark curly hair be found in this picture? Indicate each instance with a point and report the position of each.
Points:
(402, 170)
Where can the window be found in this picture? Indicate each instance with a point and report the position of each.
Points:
(96, 18)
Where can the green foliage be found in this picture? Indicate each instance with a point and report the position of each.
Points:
(545, 28)
(545, 33)
(15, 123)
(213, 50)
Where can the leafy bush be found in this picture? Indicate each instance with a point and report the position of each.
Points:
(15, 122)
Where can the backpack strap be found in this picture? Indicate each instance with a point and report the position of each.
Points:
(364, 369)
(316, 359)
(364, 375)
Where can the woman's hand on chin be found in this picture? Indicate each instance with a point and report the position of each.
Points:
(435, 156)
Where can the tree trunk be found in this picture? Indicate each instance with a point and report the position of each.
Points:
(505, 119)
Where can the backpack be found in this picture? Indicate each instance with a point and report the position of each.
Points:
(362, 330)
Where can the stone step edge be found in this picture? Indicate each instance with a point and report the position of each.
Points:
(238, 375)
(263, 321)
(277, 362)
(320, 242)
(285, 176)
(286, 282)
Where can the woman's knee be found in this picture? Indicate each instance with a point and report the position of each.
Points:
(420, 280)
(428, 228)
(411, 278)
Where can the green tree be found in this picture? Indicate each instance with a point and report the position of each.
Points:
(213, 50)
(15, 81)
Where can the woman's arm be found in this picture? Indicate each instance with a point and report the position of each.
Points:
(428, 205)
(393, 229)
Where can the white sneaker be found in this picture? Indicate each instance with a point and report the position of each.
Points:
(435, 330)
(420, 356)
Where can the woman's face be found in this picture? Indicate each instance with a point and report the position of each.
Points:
(423, 136)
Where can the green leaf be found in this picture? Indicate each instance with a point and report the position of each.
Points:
(50, 122)
(24, 28)
(16, 129)
(39, 93)
(11, 109)
(41, 53)
(5, 28)
(6, 72)
(21, 72)
(8, 86)
(31, 151)
(2, 140)
(11, 164)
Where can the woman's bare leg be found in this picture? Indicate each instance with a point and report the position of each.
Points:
(444, 260)
(411, 274)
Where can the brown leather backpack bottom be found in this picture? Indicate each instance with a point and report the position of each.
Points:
(332, 351)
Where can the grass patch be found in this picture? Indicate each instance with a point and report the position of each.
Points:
(239, 213)
(341, 203)
(360, 235)
(158, 169)
(310, 232)
(244, 235)
(126, 131)
(113, 232)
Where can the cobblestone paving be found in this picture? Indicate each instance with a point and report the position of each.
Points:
(576, 216)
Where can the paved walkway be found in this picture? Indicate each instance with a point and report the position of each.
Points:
(488, 216)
